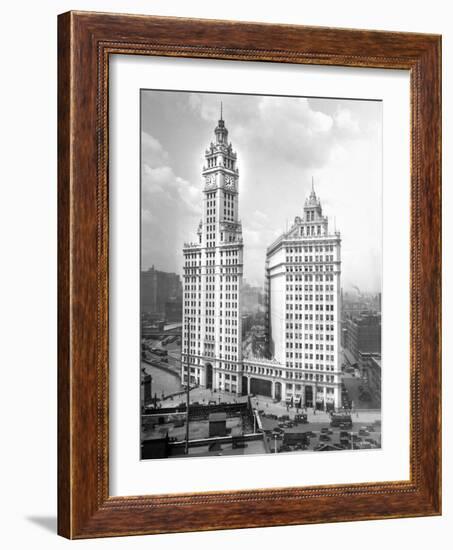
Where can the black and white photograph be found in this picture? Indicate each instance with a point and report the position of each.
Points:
(261, 274)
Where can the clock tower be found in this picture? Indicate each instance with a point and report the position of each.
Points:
(221, 177)
(213, 276)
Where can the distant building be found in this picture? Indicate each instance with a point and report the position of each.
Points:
(156, 289)
(247, 320)
(370, 366)
(252, 298)
(363, 334)
(173, 309)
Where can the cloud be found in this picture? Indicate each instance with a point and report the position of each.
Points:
(288, 129)
(152, 151)
(171, 207)
(345, 122)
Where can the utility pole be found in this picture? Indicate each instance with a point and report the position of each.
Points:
(188, 386)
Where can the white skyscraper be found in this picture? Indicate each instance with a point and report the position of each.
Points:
(212, 335)
(303, 268)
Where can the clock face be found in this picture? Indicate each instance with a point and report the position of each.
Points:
(210, 180)
(229, 181)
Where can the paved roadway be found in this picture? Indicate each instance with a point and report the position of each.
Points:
(352, 386)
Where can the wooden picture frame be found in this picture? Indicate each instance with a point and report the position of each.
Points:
(85, 42)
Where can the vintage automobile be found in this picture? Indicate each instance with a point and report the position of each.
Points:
(341, 420)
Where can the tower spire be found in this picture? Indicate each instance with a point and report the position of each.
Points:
(221, 110)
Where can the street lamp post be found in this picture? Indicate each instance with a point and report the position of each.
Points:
(275, 443)
(352, 441)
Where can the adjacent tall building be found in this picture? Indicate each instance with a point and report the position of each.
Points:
(303, 269)
(212, 333)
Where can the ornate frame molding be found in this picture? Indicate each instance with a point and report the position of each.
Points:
(86, 40)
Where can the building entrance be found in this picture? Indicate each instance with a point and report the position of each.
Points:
(261, 387)
(209, 376)
(309, 396)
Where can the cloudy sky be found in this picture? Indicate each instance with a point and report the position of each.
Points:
(281, 142)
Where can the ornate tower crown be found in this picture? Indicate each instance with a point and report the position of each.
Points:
(220, 170)
(221, 133)
(312, 201)
(312, 206)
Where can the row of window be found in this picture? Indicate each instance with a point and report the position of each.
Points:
(319, 347)
(297, 326)
(309, 297)
(307, 277)
(320, 326)
(309, 249)
(308, 356)
(309, 288)
(319, 336)
(309, 259)
(290, 306)
(308, 268)
(311, 317)
(300, 368)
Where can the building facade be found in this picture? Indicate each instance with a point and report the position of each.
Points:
(303, 269)
(212, 279)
